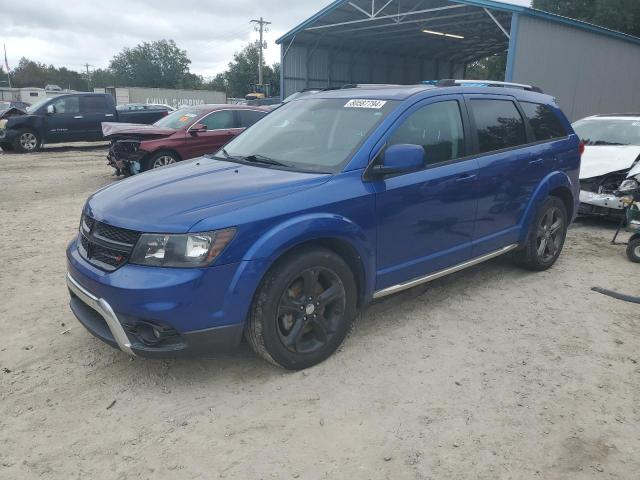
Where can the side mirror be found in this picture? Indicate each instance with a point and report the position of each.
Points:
(402, 158)
(51, 109)
(198, 128)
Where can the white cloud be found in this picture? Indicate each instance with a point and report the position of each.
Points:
(75, 32)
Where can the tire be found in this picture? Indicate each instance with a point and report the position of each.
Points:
(6, 147)
(303, 309)
(161, 159)
(633, 249)
(545, 238)
(27, 141)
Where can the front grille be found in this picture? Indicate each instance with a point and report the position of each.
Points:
(105, 246)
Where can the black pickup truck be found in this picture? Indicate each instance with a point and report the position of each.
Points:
(75, 117)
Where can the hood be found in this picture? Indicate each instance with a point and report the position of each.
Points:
(110, 129)
(11, 112)
(600, 160)
(173, 199)
(634, 171)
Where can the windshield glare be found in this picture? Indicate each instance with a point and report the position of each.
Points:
(179, 119)
(609, 131)
(311, 134)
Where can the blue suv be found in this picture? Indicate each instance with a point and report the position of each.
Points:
(329, 202)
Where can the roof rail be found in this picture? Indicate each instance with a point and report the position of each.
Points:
(618, 115)
(486, 83)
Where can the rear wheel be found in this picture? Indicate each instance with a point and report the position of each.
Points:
(27, 141)
(7, 147)
(303, 309)
(633, 249)
(546, 237)
(161, 159)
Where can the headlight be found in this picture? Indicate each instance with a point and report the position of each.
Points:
(181, 251)
(628, 186)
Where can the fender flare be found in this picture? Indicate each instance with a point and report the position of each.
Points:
(550, 183)
(297, 231)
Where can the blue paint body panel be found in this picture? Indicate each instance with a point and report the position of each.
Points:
(397, 228)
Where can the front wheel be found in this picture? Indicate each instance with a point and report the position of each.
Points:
(303, 309)
(161, 159)
(546, 237)
(633, 249)
(27, 141)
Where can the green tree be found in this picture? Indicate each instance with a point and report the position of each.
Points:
(621, 15)
(242, 73)
(156, 64)
(489, 68)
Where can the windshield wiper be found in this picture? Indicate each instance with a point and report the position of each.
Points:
(257, 158)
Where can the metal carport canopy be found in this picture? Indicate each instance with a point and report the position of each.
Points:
(448, 33)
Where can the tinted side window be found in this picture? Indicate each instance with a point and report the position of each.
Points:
(218, 120)
(544, 123)
(97, 104)
(437, 128)
(67, 105)
(249, 117)
(499, 124)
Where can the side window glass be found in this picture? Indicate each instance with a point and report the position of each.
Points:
(249, 117)
(218, 120)
(92, 104)
(499, 124)
(437, 128)
(67, 105)
(544, 123)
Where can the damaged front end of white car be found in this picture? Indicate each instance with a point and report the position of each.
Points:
(612, 153)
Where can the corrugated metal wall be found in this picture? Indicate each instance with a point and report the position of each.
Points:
(307, 67)
(587, 72)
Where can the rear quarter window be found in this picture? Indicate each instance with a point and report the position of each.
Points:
(544, 122)
(499, 124)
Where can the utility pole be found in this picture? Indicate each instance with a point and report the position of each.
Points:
(261, 27)
(86, 65)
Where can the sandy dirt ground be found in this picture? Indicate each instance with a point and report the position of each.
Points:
(492, 373)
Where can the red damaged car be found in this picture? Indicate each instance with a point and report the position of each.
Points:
(186, 133)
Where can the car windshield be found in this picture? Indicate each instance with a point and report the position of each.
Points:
(37, 105)
(311, 134)
(179, 119)
(608, 131)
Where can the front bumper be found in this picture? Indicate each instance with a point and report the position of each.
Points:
(599, 203)
(182, 311)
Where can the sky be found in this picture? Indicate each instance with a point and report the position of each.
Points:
(72, 33)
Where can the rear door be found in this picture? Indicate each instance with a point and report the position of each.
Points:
(94, 110)
(221, 128)
(246, 118)
(510, 169)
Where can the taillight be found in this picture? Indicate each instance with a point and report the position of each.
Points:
(581, 148)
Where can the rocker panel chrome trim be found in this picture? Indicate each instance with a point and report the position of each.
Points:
(433, 276)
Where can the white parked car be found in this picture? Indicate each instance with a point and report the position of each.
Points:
(612, 150)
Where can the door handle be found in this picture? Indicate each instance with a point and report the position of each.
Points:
(466, 178)
(536, 162)
(108, 114)
(78, 116)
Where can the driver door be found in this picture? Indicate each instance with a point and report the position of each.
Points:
(221, 128)
(66, 123)
(426, 218)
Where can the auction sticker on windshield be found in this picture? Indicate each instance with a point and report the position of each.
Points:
(376, 104)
